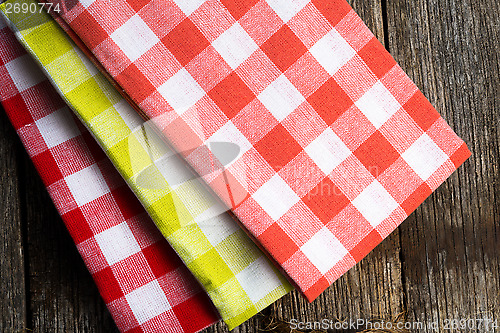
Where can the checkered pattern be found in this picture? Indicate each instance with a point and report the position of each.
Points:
(338, 146)
(235, 273)
(143, 282)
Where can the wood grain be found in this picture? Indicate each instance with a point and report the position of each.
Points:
(63, 296)
(13, 312)
(450, 244)
(442, 263)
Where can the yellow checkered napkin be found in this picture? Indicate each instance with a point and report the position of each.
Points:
(235, 273)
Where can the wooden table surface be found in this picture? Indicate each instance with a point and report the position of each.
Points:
(442, 263)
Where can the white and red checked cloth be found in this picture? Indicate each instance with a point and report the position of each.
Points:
(142, 281)
(337, 145)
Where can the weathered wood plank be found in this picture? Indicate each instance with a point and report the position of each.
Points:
(373, 288)
(450, 245)
(62, 293)
(13, 314)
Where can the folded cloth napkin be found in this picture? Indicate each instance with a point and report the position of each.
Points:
(337, 145)
(143, 282)
(236, 274)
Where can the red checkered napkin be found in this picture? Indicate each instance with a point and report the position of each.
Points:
(141, 279)
(336, 145)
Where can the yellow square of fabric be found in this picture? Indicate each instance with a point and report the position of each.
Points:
(58, 47)
(89, 92)
(211, 264)
(236, 243)
(58, 68)
(116, 129)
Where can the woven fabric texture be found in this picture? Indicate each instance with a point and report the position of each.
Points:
(141, 279)
(235, 273)
(337, 145)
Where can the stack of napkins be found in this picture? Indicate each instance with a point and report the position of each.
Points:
(270, 142)
(141, 279)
